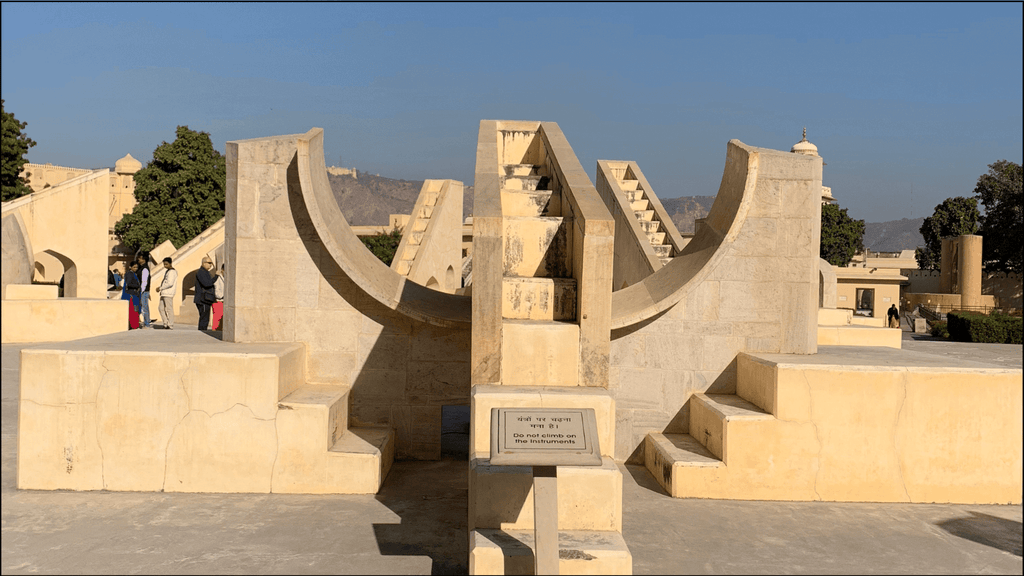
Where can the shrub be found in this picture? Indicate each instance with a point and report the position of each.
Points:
(938, 329)
(383, 245)
(974, 327)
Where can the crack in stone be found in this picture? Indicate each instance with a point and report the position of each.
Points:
(174, 430)
(99, 443)
(895, 436)
(817, 435)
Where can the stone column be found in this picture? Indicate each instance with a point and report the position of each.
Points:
(969, 268)
(946, 267)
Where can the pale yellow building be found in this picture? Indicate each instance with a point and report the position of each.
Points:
(868, 291)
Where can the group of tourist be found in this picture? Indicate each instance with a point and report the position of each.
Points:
(209, 293)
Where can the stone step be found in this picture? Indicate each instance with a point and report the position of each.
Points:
(524, 170)
(426, 211)
(403, 267)
(415, 238)
(665, 260)
(579, 552)
(629, 185)
(524, 182)
(663, 250)
(649, 226)
(589, 497)
(635, 195)
(539, 353)
(531, 203)
(855, 335)
(430, 197)
(538, 298)
(834, 316)
(420, 224)
(640, 204)
(644, 215)
(538, 247)
(680, 463)
(656, 238)
(713, 416)
(317, 454)
(483, 397)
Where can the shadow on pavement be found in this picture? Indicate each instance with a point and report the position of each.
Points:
(431, 498)
(986, 529)
(642, 476)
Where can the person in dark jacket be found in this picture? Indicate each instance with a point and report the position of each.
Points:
(205, 295)
(894, 316)
(132, 291)
(132, 285)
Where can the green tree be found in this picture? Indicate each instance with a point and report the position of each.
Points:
(841, 236)
(180, 193)
(384, 245)
(954, 217)
(1000, 194)
(15, 145)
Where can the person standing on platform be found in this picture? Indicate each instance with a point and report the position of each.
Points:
(217, 310)
(167, 288)
(131, 284)
(894, 316)
(143, 260)
(205, 295)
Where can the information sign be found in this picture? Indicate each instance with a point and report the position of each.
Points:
(544, 437)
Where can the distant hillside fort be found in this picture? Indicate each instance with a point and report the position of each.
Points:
(336, 171)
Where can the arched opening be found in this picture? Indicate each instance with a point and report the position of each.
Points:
(449, 279)
(51, 266)
(433, 284)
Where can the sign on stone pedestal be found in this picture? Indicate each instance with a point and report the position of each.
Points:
(544, 437)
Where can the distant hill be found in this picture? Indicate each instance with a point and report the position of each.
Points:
(685, 209)
(893, 236)
(369, 199)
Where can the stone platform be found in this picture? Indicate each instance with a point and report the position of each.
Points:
(182, 411)
(855, 424)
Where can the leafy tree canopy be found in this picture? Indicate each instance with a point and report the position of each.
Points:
(180, 193)
(841, 236)
(384, 245)
(1000, 193)
(14, 147)
(954, 217)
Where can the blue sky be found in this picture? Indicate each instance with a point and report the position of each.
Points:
(899, 98)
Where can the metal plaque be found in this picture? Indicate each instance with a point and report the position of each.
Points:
(544, 437)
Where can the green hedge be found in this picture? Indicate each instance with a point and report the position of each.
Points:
(974, 327)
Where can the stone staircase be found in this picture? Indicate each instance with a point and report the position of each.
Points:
(412, 236)
(540, 339)
(845, 425)
(646, 216)
(317, 451)
(537, 283)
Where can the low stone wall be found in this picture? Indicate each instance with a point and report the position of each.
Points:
(61, 319)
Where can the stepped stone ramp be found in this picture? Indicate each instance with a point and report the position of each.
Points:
(645, 236)
(852, 424)
(542, 252)
(430, 252)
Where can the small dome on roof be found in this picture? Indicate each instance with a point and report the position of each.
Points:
(127, 165)
(804, 147)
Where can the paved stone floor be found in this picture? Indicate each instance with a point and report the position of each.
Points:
(416, 525)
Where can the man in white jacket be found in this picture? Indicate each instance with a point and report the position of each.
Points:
(166, 289)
